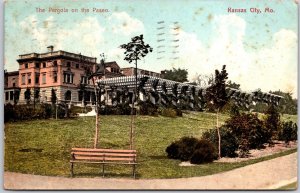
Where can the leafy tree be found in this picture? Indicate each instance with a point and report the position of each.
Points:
(27, 95)
(36, 96)
(53, 97)
(16, 96)
(134, 51)
(232, 84)
(272, 121)
(203, 80)
(216, 95)
(286, 105)
(179, 75)
(53, 101)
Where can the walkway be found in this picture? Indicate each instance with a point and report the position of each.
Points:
(269, 174)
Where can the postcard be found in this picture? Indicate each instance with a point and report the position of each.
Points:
(150, 95)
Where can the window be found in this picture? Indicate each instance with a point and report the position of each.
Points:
(54, 76)
(6, 96)
(37, 65)
(13, 82)
(23, 78)
(77, 65)
(26, 65)
(68, 95)
(68, 64)
(37, 78)
(44, 78)
(29, 78)
(68, 78)
(11, 95)
(84, 80)
(54, 63)
(44, 64)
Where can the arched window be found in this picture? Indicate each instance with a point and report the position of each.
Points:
(68, 95)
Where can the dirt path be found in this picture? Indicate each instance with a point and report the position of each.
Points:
(264, 175)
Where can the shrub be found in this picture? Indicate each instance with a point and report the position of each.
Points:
(9, 113)
(229, 143)
(288, 132)
(148, 109)
(168, 112)
(272, 121)
(182, 149)
(173, 151)
(189, 148)
(249, 127)
(204, 152)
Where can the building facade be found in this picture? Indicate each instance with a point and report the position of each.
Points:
(62, 71)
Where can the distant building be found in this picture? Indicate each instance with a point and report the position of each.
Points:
(130, 72)
(59, 70)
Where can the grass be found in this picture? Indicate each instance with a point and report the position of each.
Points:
(43, 146)
(292, 186)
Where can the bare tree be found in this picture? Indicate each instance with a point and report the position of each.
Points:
(135, 50)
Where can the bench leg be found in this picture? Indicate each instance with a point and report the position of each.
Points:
(71, 170)
(103, 170)
(133, 171)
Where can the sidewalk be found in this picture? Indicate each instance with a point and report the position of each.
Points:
(269, 174)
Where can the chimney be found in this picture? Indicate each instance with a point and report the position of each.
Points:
(50, 49)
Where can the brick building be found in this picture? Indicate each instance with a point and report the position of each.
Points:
(61, 71)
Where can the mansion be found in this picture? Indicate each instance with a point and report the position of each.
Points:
(61, 71)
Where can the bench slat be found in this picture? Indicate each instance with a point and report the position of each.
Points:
(104, 150)
(101, 162)
(105, 154)
(103, 158)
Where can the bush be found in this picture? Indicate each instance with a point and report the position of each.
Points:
(169, 112)
(9, 113)
(288, 132)
(148, 109)
(272, 121)
(182, 149)
(189, 148)
(26, 112)
(229, 143)
(249, 127)
(204, 152)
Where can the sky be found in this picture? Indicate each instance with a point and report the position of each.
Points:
(259, 49)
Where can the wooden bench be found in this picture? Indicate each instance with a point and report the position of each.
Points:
(103, 156)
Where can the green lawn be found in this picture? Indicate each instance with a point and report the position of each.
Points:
(43, 146)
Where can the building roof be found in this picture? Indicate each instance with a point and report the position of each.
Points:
(59, 53)
(13, 73)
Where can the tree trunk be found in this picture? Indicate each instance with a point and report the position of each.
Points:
(219, 135)
(132, 109)
(97, 117)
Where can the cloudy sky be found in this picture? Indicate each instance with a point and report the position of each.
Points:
(259, 49)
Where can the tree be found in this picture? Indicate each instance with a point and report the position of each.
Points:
(232, 84)
(217, 96)
(16, 96)
(179, 75)
(134, 51)
(203, 80)
(286, 105)
(53, 101)
(27, 94)
(95, 74)
(36, 96)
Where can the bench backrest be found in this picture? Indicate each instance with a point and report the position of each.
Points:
(114, 155)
